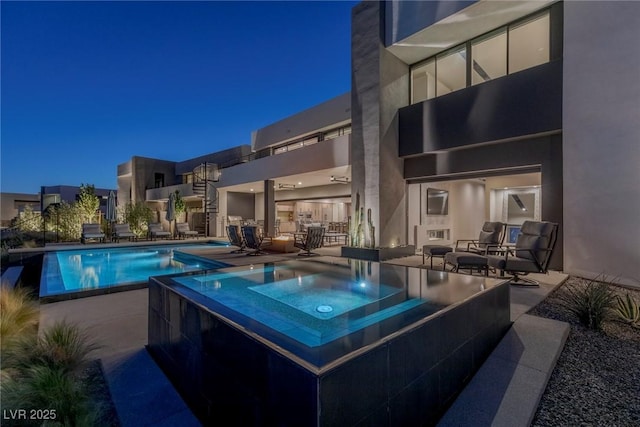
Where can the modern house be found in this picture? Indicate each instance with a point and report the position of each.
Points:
(460, 112)
(491, 100)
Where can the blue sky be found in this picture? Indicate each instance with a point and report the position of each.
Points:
(88, 85)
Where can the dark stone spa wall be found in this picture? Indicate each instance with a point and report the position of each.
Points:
(225, 374)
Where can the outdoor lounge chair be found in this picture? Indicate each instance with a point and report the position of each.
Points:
(253, 239)
(313, 239)
(531, 254)
(235, 238)
(183, 230)
(491, 236)
(155, 231)
(91, 231)
(471, 254)
(122, 231)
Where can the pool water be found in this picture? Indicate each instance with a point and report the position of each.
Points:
(73, 271)
(311, 303)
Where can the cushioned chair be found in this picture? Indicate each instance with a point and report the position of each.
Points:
(122, 231)
(91, 232)
(531, 254)
(491, 236)
(471, 254)
(254, 240)
(155, 231)
(311, 240)
(235, 238)
(183, 230)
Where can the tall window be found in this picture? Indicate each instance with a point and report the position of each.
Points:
(489, 57)
(529, 43)
(506, 50)
(451, 70)
(159, 180)
(423, 80)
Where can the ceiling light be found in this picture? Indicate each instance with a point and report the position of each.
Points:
(339, 179)
(252, 189)
(299, 183)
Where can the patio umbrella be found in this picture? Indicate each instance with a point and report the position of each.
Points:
(171, 209)
(110, 215)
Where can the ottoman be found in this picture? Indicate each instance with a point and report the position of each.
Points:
(435, 251)
(467, 260)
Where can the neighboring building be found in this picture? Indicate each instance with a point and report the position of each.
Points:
(71, 194)
(13, 204)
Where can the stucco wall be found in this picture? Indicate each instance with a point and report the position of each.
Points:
(601, 144)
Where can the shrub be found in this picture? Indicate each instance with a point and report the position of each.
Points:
(45, 372)
(19, 316)
(627, 309)
(592, 303)
(44, 387)
(62, 347)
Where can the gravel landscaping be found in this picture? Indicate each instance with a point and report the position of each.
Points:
(596, 381)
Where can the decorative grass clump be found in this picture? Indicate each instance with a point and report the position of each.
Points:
(19, 316)
(628, 310)
(42, 374)
(592, 304)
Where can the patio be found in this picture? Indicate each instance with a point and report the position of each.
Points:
(142, 394)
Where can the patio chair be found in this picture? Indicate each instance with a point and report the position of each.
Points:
(123, 231)
(531, 254)
(472, 256)
(91, 232)
(491, 236)
(235, 238)
(313, 239)
(183, 230)
(155, 230)
(254, 240)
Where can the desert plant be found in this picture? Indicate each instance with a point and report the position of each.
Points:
(592, 303)
(627, 309)
(40, 387)
(18, 316)
(62, 347)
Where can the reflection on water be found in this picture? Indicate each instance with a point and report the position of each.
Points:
(108, 267)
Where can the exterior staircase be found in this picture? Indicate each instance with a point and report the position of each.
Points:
(205, 177)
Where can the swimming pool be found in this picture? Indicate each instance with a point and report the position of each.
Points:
(93, 271)
(324, 341)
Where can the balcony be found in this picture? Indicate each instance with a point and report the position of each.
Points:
(514, 106)
(162, 193)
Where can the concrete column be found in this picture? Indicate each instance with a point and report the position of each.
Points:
(220, 220)
(380, 85)
(269, 208)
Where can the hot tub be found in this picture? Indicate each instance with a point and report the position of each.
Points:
(325, 341)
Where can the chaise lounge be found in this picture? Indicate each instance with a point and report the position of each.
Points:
(183, 230)
(123, 231)
(91, 232)
(155, 230)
